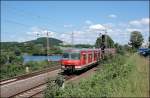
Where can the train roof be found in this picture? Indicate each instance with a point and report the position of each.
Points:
(80, 49)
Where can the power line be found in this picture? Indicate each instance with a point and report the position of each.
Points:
(28, 13)
(26, 25)
(18, 23)
(25, 13)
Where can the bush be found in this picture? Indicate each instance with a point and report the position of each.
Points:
(40, 65)
(3, 59)
(54, 87)
(11, 70)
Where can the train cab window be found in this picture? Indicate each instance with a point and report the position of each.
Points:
(66, 56)
(75, 56)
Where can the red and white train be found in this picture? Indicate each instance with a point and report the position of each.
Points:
(78, 59)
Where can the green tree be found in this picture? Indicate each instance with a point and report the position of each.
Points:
(136, 39)
(3, 58)
(55, 51)
(14, 59)
(119, 48)
(17, 51)
(110, 42)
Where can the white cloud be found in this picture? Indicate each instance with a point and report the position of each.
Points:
(112, 16)
(143, 21)
(40, 32)
(97, 27)
(32, 33)
(135, 23)
(133, 29)
(109, 25)
(119, 32)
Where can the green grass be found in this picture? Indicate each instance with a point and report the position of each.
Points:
(137, 83)
(121, 76)
(11, 70)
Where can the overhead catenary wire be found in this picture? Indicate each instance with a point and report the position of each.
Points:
(26, 25)
(25, 13)
(32, 15)
(18, 23)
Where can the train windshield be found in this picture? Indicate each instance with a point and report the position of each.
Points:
(75, 56)
(66, 55)
(72, 56)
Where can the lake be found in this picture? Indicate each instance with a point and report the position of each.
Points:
(28, 58)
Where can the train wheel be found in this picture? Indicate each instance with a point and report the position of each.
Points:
(66, 71)
(69, 71)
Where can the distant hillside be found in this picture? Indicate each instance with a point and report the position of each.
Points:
(43, 41)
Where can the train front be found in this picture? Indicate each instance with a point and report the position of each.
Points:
(70, 59)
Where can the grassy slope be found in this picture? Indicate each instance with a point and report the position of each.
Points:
(137, 83)
(124, 76)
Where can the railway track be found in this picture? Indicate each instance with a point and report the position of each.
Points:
(25, 76)
(30, 92)
(20, 84)
(38, 90)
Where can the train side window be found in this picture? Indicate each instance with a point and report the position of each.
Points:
(75, 56)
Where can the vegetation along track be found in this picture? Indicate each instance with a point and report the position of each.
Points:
(23, 83)
(39, 89)
(32, 92)
(21, 77)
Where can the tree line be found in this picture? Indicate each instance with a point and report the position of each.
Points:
(135, 42)
(13, 51)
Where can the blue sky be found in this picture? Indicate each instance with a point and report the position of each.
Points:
(22, 20)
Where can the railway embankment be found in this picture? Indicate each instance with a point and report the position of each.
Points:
(13, 70)
(120, 76)
(14, 88)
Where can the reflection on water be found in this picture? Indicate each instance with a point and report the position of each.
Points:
(28, 58)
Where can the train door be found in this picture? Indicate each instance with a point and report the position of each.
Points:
(83, 59)
(90, 58)
(87, 58)
(94, 55)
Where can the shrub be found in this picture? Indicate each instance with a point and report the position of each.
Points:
(11, 70)
(3, 59)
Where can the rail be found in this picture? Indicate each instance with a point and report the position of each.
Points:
(24, 76)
